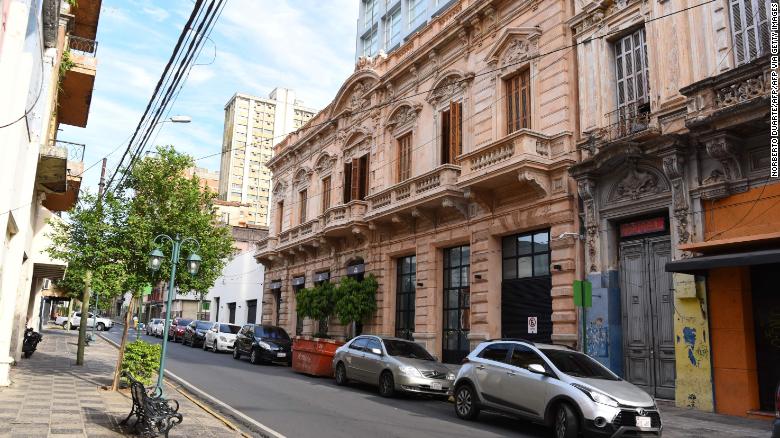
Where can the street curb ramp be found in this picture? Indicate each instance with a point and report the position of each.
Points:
(217, 408)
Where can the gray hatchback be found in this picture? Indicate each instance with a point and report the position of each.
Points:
(393, 364)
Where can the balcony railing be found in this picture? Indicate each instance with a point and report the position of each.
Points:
(627, 121)
(65, 150)
(341, 216)
(298, 234)
(414, 191)
(82, 46)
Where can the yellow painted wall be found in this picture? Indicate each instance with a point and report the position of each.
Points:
(692, 344)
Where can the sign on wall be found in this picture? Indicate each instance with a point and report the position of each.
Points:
(643, 226)
(532, 325)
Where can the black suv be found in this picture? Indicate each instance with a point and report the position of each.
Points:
(263, 343)
(195, 333)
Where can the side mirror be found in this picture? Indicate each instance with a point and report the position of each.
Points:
(376, 351)
(537, 369)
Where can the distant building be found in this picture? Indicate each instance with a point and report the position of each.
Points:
(386, 25)
(252, 126)
(208, 178)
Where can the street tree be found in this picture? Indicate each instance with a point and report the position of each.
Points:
(164, 201)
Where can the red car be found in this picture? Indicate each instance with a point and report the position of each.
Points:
(176, 332)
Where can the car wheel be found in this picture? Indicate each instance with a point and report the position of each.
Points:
(386, 384)
(65, 325)
(216, 350)
(341, 375)
(236, 354)
(466, 402)
(254, 357)
(565, 422)
(101, 327)
(205, 345)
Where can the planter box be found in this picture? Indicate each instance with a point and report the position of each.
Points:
(314, 356)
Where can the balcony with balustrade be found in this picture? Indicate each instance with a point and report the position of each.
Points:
(60, 165)
(77, 80)
(523, 157)
(427, 192)
(343, 220)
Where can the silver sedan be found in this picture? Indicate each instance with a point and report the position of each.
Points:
(393, 365)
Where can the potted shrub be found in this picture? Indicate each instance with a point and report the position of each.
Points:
(313, 355)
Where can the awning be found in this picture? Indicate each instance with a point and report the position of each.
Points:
(297, 281)
(277, 284)
(704, 263)
(321, 276)
(356, 269)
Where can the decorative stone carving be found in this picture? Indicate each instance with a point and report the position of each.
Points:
(451, 84)
(404, 115)
(515, 45)
(635, 184)
(538, 180)
(515, 52)
(359, 98)
(415, 77)
(325, 163)
(389, 92)
(280, 190)
(302, 178)
(587, 189)
(723, 148)
(743, 91)
(674, 169)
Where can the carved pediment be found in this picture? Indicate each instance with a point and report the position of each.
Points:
(355, 93)
(515, 45)
(280, 190)
(325, 163)
(302, 178)
(450, 83)
(637, 181)
(356, 142)
(403, 115)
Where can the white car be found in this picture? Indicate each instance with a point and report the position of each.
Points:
(157, 329)
(102, 323)
(149, 328)
(220, 337)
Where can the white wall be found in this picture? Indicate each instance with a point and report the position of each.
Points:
(241, 280)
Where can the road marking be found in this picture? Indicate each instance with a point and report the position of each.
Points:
(233, 411)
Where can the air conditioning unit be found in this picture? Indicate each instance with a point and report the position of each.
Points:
(46, 284)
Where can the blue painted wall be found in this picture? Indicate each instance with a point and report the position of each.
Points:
(603, 334)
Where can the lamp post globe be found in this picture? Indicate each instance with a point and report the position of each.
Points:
(193, 263)
(155, 259)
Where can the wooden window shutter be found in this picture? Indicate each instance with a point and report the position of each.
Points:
(325, 193)
(524, 95)
(347, 185)
(355, 183)
(456, 134)
(404, 157)
(363, 176)
(749, 29)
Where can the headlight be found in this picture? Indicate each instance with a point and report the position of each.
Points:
(223, 339)
(450, 376)
(597, 396)
(410, 371)
(262, 344)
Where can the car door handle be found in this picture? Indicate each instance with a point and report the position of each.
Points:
(480, 367)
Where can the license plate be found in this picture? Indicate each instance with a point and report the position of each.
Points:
(643, 422)
(281, 354)
(436, 386)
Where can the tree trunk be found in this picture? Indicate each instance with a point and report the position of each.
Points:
(84, 319)
(70, 312)
(118, 369)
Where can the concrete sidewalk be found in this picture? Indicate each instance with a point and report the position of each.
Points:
(689, 423)
(52, 397)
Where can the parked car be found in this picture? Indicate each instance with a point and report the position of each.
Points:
(552, 385)
(195, 333)
(221, 337)
(102, 323)
(176, 331)
(776, 423)
(263, 343)
(151, 325)
(158, 329)
(395, 365)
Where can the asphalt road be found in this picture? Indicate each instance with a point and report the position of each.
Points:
(300, 406)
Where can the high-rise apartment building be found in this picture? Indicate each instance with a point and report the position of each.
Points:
(252, 126)
(385, 25)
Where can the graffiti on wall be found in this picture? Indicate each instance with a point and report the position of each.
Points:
(597, 338)
(693, 387)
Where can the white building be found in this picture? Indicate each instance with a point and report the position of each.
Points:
(252, 126)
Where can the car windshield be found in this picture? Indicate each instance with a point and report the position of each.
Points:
(225, 328)
(406, 349)
(183, 322)
(204, 325)
(577, 364)
(270, 332)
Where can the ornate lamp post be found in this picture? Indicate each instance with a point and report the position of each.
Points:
(155, 261)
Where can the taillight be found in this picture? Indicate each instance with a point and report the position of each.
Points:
(465, 360)
(777, 401)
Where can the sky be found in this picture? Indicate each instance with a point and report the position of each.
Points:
(257, 45)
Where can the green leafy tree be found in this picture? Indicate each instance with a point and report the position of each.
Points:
(317, 303)
(355, 300)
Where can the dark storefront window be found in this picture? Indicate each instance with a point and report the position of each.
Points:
(526, 255)
(456, 304)
(298, 284)
(405, 297)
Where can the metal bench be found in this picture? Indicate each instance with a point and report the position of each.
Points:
(154, 414)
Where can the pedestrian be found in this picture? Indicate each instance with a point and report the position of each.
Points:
(135, 322)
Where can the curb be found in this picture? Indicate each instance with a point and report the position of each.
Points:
(253, 425)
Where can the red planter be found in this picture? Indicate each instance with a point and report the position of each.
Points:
(314, 356)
